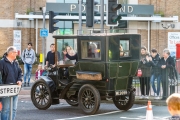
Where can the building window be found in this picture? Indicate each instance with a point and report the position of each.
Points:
(90, 49)
(67, 1)
(65, 28)
(118, 49)
(60, 1)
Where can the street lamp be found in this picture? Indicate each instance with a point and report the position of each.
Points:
(166, 27)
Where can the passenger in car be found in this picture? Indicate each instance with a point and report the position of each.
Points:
(70, 54)
(121, 50)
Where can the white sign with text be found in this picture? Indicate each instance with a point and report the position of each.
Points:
(17, 40)
(173, 38)
(9, 90)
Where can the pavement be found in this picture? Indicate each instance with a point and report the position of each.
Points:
(24, 94)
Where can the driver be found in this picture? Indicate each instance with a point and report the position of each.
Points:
(50, 59)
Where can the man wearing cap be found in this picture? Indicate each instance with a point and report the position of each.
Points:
(28, 57)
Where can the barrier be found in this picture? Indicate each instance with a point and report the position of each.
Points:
(178, 51)
(178, 66)
(9, 91)
(168, 83)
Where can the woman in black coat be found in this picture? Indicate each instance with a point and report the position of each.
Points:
(167, 65)
(146, 73)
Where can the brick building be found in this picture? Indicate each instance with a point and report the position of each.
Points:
(8, 23)
(158, 34)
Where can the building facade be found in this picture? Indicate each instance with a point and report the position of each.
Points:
(154, 34)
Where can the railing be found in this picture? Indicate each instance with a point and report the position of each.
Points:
(168, 85)
(100, 32)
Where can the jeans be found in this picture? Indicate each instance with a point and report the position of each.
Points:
(27, 71)
(158, 77)
(6, 108)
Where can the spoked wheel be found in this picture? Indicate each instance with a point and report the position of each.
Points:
(124, 102)
(72, 101)
(89, 99)
(41, 95)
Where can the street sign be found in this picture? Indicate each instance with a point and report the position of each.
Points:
(43, 32)
(9, 90)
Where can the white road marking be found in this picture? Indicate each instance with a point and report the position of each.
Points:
(131, 118)
(100, 114)
(144, 118)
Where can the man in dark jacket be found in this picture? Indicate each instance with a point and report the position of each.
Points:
(167, 65)
(155, 71)
(11, 74)
(50, 58)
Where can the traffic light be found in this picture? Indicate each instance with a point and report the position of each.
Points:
(52, 21)
(89, 13)
(112, 16)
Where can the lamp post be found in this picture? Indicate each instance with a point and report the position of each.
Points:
(102, 16)
(80, 17)
(44, 38)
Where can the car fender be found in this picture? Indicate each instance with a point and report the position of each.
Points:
(49, 82)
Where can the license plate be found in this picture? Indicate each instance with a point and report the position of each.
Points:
(121, 92)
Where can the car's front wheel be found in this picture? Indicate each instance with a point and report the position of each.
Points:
(41, 95)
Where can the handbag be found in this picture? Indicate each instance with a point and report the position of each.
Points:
(139, 73)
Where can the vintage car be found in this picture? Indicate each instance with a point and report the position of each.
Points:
(106, 66)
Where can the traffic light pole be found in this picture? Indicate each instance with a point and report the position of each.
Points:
(43, 40)
(80, 17)
(102, 16)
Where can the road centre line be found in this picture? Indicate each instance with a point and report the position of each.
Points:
(100, 114)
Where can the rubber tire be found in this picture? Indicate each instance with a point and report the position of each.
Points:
(72, 103)
(96, 96)
(129, 104)
(41, 107)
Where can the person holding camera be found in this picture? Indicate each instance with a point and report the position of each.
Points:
(145, 78)
(155, 72)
